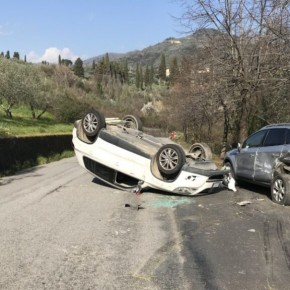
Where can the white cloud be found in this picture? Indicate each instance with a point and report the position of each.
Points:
(32, 57)
(51, 55)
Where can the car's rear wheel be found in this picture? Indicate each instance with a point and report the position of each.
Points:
(170, 159)
(134, 122)
(93, 122)
(201, 151)
(280, 189)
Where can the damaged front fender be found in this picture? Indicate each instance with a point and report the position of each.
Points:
(282, 165)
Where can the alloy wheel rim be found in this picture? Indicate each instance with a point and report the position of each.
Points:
(279, 190)
(168, 159)
(90, 123)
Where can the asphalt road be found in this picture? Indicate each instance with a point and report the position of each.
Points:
(62, 229)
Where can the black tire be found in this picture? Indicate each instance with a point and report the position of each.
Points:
(229, 167)
(280, 189)
(93, 122)
(170, 159)
(201, 151)
(133, 122)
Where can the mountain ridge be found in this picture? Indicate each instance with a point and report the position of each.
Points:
(171, 47)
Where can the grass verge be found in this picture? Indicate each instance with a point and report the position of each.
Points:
(22, 124)
(41, 160)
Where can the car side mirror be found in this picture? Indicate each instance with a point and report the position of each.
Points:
(239, 147)
(234, 145)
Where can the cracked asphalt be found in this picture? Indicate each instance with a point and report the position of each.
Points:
(62, 229)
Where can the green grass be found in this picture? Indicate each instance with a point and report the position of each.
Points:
(22, 124)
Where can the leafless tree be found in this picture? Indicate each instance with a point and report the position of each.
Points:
(192, 103)
(247, 44)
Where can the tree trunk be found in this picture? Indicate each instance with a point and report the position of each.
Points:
(32, 111)
(43, 111)
(8, 113)
(185, 132)
(243, 116)
(226, 130)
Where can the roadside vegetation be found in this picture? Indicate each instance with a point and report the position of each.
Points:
(236, 81)
(22, 124)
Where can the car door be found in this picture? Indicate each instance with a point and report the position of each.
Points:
(272, 149)
(247, 155)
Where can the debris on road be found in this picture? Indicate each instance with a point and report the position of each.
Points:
(134, 206)
(244, 202)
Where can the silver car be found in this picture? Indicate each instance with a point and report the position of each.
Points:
(264, 159)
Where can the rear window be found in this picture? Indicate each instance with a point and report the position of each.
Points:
(275, 137)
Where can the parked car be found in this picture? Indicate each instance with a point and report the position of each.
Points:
(264, 159)
(120, 154)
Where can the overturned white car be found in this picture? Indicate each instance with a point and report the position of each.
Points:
(118, 152)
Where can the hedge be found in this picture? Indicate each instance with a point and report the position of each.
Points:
(16, 151)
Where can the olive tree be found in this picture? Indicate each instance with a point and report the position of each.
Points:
(13, 85)
(22, 83)
(36, 97)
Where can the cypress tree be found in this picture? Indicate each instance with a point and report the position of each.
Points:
(147, 77)
(126, 72)
(141, 77)
(162, 68)
(107, 63)
(101, 67)
(93, 65)
(7, 55)
(137, 77)
(16, 55)
(152, 75)
(78, 68)
(173, 69)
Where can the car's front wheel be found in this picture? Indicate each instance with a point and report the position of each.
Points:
(228, 166)
(93, 122)
(170, 159)
(280, 189)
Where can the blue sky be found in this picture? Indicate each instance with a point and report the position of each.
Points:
(43, 29)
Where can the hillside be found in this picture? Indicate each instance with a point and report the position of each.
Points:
(171, 46)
